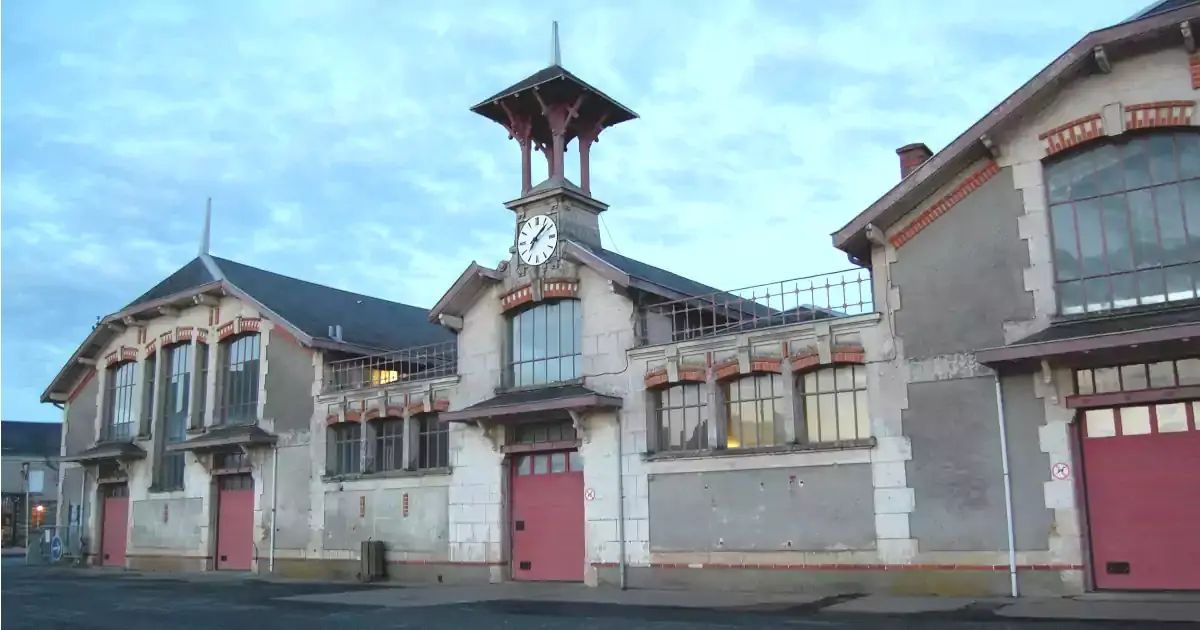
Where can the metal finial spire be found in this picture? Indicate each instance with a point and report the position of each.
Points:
(556, 53)
(204, 237)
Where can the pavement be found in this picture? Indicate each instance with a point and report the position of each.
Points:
(50, 597)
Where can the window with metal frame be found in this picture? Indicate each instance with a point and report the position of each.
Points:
(388, 453)
(149, 367)
(202, 371)
(176, 396)
(239, 381)
(1125, 221)
(545, 344)
(344, 449)
(121, 413)
(681, 412)
(834, 404)
(543, 432)
(756, 411)
(433, 440)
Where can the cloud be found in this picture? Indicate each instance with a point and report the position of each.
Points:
(764, 127)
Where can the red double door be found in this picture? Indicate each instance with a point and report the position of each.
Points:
(548, 530)
(235, 522)
(1141, 472)
(114, 525)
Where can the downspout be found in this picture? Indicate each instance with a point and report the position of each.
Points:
(622, 565)
(274, 506)
(1008, 503)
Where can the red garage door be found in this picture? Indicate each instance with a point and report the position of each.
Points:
(235, 522)
(547, 517)
(1141, 469)
(115, 524)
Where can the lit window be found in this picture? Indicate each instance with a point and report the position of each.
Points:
(835, 404)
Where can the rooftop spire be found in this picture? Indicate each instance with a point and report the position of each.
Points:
(204, 236)
(555, 52)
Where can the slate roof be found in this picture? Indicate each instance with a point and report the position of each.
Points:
(1112, 325)
(30, 438)
(513, 405)
(546, 75)
(313, 308)
(654, 275)
(1160, 6)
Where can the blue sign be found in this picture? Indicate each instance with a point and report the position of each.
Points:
(55, 549)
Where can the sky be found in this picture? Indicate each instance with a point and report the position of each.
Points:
(336, 142)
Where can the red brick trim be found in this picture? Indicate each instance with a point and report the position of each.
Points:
(394, 411)
(1160, 114)
(805, 360)
(516, 297)
(129, 354)
(249, 324)
(1076, 132)
(766, 365)
(727, 370)
(849, 354)
(692, 375)
(447, 563)
(657, 379)
(1194, 67)
(238, 326)
(87, 378)
(225, 330)
(858, 567)
(184, 333)
(418, 408)
(554, 289)
(151, 348)
(371, 414)
(201, 335)
(166, 339)
(943, 205)
(332, 418)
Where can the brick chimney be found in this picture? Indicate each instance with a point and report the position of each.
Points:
(912, 156)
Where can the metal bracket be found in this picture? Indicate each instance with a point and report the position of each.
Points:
(206, 461)
(492, 433)
(1189, 40)
(580, 427)
(1102, 59)
(990, 145)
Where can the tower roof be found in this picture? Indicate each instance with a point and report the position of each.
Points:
(555, 84)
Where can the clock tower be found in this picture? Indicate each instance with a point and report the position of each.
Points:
(546, 112)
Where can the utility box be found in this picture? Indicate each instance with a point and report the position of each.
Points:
(373, 565)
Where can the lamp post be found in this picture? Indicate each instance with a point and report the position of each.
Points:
(28, 515)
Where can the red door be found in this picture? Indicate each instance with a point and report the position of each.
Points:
(1141, 470)
(235, 522)
(547, 517)
(115, 524)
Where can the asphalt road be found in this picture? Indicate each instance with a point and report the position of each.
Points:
(33, 598)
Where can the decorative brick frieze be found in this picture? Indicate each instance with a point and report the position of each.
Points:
(166, 339)
(128, 353)
(184, 333)
(1075, 132)
(840, 353)
(371, 414)
(516, 297)
(354, 411)
(202, 335)
(766, 364)
(692, 374)
(394, 411)
(968, 185)
(805, 360)
(560, 289)
(661, 377)
(657, 378)
(1194, 67)
(1160, 114)
(151, 348)
(728, 369)
(238, 326)
(333, 413)
(849, 353)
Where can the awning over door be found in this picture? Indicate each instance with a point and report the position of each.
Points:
(533, 403)
(224, 438)
(1161, 334)
(107, 451)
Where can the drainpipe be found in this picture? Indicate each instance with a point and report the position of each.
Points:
(620, 503)
(1008, 504)
(274, 504)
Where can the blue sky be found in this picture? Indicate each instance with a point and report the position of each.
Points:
(335, 139)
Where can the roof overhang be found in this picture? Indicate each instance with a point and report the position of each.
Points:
(1123, 345)
(462, 294)
(224, 439)
(1122, 40)
(107, 451)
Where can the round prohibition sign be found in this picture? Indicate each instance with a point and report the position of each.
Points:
(1060, 471)
(590, 494)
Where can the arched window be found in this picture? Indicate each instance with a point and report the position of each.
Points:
(835, 404)
(682, 417)
(121, 414)
(545, 344)
(238, 402)
(176, 395)
(1125, 220)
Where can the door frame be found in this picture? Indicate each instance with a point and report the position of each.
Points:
(509, 470)
(215, 518)
(102, 486)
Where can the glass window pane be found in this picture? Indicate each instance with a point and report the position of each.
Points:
(575, 461)
(1137, 164)
(1083, 176)
(1091, 237)
(864, 414)
(1084, 379)
(1162, 159)
(828, 406)
(860, 377)
(1106, 159)
(1135, 420)
(1172, 418)
(845, 378)
(1107, 380)
(810, 382)
(812, 419)
(1070, 297)
(847, 418)
(1169, 206)
(733, 426)
(1145, 232)
(1124, 291)
(558, 462)
(1151, 286)
(523, 465)
(1189, 371)
(1097, 295)
(1190, 191)
(825, 382)
(1133, 377)
(1117, 242)
(1058, 182)
(1162, 374)
(1100, 423)
(750, 419)
(1179, 283)
(540, 464)
(553, 334)
(1066, 249)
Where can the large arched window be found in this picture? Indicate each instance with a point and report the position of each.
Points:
(121, 414)
(238, 394)
(545, 344)
(756, 412)
(1125, 220)
(176, 395)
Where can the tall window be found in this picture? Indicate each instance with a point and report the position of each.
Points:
(202, 404)
(1125, 219)
(434, 443)
(121, 408)
(343, 448)
(149, 368)
(835, 404)
(176, 394)
(389, 444)
(756, 411)
(239, 381)
(544, 344)
(682, 417)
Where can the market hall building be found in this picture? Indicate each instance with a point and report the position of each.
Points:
(1007, 371)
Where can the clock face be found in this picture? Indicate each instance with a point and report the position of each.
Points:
(537, 239)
